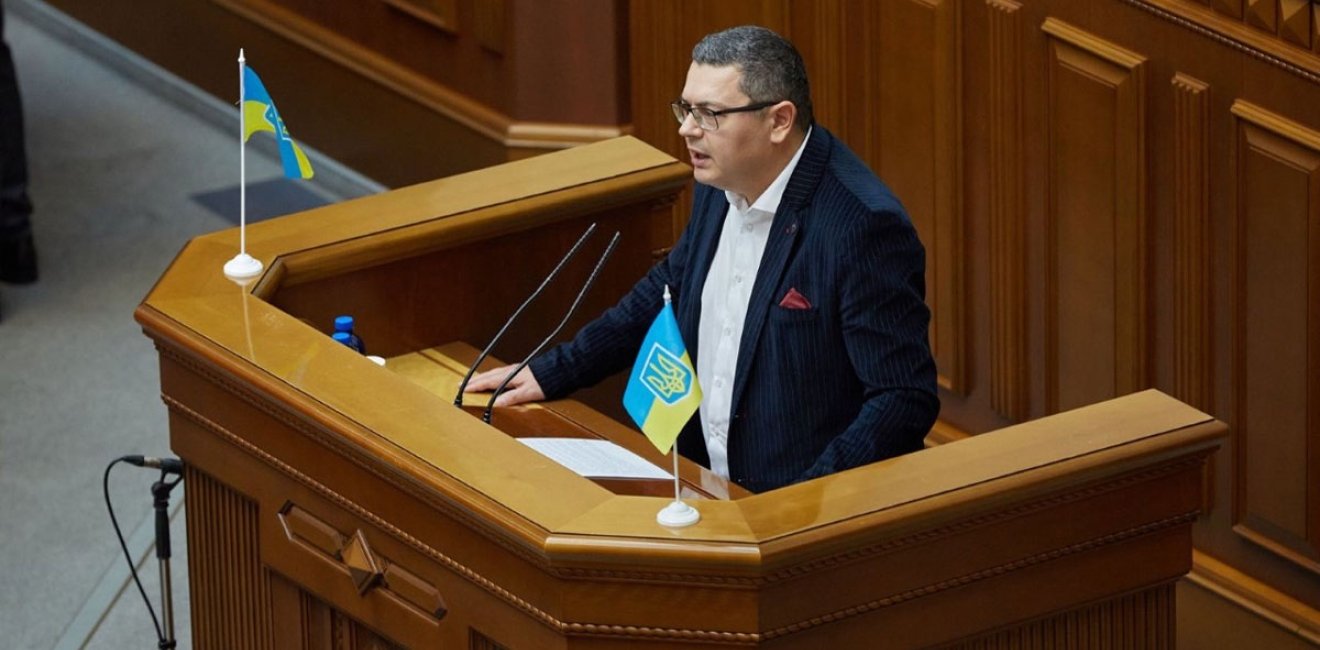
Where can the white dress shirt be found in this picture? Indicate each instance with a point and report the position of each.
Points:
(724, 301)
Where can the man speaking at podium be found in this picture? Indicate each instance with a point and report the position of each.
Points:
(799, 282)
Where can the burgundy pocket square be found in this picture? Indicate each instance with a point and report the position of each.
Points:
(794, 300)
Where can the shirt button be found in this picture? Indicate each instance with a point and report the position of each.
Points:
(728, 331)
(719, 382)
(737, 279)
(747, 227)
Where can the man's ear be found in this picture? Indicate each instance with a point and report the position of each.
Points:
(782, 116)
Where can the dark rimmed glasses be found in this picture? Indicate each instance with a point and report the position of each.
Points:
(707, 118)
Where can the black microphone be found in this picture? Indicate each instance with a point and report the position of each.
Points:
(576, 301)
(167, 465)
(458, 399)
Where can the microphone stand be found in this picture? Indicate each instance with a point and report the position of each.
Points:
(591, 279)
(458, 397)
(160, 492)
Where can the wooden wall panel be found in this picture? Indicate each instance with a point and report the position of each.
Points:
(1261, 15)
(1007, 251)
(1285, 29)
(1277, 434)
(1228, 7)
(1096, 316)
(819, 28)
(489, 24)
(919, 120)
(441, 13)
(1315, 27)
(1192, 313)
(1295, 22)
(434, 46)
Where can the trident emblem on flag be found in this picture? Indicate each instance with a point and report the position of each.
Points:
(665, 375)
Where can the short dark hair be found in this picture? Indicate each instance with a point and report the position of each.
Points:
(772, 70)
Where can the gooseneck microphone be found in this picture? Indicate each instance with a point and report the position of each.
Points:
(167, 465)
(458, 398)
(576, 301)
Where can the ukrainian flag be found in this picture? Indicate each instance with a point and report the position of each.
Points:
(259, 114)
(663, 391)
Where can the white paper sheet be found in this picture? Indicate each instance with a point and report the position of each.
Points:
(593, 457)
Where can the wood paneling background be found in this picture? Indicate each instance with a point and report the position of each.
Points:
(1095, 285)
(1113, 195)
(1277, 384)
(402, 91)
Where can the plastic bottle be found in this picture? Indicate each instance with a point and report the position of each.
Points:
(344, 325)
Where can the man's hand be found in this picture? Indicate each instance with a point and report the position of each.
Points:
(522, 388)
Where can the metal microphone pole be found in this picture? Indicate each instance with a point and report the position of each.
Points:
(160, 492)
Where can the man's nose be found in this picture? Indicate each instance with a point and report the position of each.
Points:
(688, 127)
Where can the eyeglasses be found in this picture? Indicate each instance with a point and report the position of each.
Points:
(706, 117)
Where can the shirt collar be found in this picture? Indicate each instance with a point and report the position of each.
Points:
(769, 200)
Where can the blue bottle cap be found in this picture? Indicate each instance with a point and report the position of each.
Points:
(343, 337)
(343, 323)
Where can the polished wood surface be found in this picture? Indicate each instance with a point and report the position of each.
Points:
(441, 370)
(346, 504)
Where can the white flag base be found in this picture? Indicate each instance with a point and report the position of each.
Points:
(242, 267)
(677, 515)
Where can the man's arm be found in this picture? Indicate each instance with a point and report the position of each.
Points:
(885, 330)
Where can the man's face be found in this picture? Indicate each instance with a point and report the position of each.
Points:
(733, 157)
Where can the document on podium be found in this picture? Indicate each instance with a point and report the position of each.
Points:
(596, 458)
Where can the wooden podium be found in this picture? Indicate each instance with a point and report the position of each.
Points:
(333, 503)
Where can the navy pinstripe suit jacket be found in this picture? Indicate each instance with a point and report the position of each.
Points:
(844, 383)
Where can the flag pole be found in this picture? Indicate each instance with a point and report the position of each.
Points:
(675, 452)
(677, 514)
(242, 157)
(242, 265)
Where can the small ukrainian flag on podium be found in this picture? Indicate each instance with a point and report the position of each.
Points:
(259, 114)
(663, 391)
(662, 394)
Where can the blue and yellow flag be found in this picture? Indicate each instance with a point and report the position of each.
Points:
(259, 114)
(663, 391)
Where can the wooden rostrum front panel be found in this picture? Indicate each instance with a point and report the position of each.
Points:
(258, 556)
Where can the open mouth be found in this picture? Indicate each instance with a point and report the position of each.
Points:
(698, 159)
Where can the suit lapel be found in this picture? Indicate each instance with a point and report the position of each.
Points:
(785, 231)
